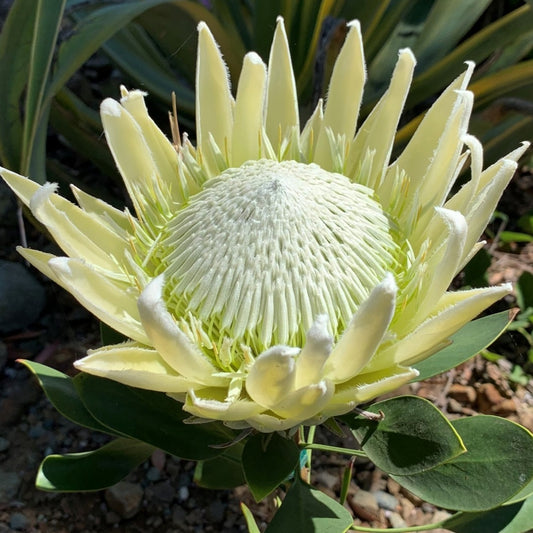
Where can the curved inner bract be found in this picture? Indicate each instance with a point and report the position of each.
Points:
(265, 248)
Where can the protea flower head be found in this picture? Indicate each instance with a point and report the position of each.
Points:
(273, 276)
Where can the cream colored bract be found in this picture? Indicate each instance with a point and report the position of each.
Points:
(272, 276)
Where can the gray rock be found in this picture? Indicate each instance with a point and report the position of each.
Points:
(441, 515)
(364, 505)
(396, 520)
(164, 491)
(36, 431)
(153, 474)
(22, 297)
(215, 511)
(386, 500)
(9, 485)
(183, 494)
(327, 479)
(4, 444)
(19, 522)
(365, 499)
(124, 498)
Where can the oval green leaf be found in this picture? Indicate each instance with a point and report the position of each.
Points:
(60, 390)
(222, 472)
(94, 470)
(497, 465)
(307, 509)
(414, 436)
(516, 518)
(268, 460)
(150, 417)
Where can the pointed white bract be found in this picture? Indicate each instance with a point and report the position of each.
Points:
(281, 106)
(270, 277)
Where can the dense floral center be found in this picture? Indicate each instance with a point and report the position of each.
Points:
(265, 248)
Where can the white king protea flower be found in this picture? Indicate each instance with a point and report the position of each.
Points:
(273, 276)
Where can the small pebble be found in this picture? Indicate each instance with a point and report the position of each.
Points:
(183, 494)
(441, 515)
(124, 498)
(36, 431)
(396, 520)
(215, 511)
(505, 408)
(327, 479)
(365, 505)
(454, 406)
(164, 491)
(4, 444)
(9, 485)
(153, 474)
(463, 393)
(386, 500)
(19, 522)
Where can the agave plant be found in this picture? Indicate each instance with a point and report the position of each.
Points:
(153, 42)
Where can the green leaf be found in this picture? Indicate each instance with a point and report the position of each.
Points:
(467, 342)
(150, 417)
(525, 222)
(222, 472)
(307, 509)
(383, 22)
(414, 435)
(94, 470)
(81, 128)
(502, 83)
(514, 236)
(97, 24)
(403, 35)
(172, 26)
(498, 464)
(516, 518)
(47, 22)
(501, 139)
(446, 24)
(15, 49)
(132, 50)
(524, 493)
(250, 520)
(524, 290)
(59, 389)
(477, 48)
(267, 460)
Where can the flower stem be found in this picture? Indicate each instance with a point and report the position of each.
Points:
(310, 438)
(326, 448)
